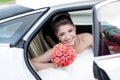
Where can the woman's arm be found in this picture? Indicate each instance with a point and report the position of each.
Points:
(42, 61)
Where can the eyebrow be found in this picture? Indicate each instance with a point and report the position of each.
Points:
(64, 32)
(61, 33)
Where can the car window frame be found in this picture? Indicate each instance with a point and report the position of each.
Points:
(49, 15)
(39, 14)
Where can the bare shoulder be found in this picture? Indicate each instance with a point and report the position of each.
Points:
(86, 37)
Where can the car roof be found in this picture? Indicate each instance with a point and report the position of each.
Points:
(36, 4)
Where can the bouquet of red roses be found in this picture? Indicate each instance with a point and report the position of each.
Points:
(62, 55)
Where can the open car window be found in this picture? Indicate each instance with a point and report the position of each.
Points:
(46, 39)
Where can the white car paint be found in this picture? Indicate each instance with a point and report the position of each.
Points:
(12, 65)
(110, 64)
(42, 3)
(47, 3)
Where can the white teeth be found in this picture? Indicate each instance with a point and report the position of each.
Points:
(68, 41)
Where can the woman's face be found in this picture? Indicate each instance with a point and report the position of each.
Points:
(67, 34)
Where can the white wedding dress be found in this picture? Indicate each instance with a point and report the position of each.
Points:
(80, 69)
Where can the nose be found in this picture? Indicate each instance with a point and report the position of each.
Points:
(67, 36)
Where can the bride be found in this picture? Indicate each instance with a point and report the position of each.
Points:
(81, 68)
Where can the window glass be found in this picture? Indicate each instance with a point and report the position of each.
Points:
(12, 10)
(7, 31)
(12, 30)
(82, 17)
(109, 19)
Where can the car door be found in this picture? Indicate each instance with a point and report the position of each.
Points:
(106, 18)
(15, 22)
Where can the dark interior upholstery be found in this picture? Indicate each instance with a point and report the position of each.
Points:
(47, 31)
(83, 28)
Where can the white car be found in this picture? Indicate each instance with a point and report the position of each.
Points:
(25, 32)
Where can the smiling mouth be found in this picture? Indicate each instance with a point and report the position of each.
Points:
(69, 40)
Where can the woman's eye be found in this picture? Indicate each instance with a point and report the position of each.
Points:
(61, 34)
(70, 30)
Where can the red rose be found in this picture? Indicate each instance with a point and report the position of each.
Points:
(62, 54)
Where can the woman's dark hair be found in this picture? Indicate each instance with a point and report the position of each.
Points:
(61, 19)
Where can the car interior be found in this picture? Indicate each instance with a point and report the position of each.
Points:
(46, 39)
(108, 44)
